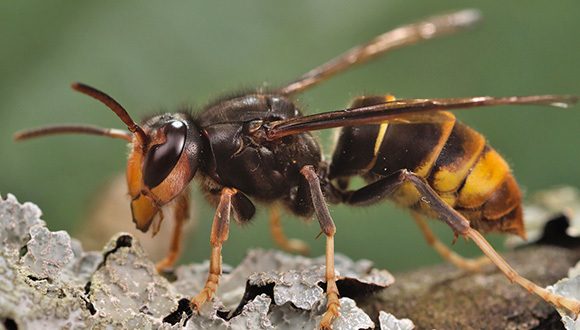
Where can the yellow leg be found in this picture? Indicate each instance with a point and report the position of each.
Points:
(181, 213)
(461, 226)
(560, 301)
(213, 279)
(331, 289)
(289, 245)
(329, 229)
(473, 265)
(219, 235)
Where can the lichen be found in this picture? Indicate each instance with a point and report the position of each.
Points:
(569, 287)
(390, 322)
(48, 281)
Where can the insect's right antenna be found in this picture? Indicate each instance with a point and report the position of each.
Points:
(432, 27)
(116, 107)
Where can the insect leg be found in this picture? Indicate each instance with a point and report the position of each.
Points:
(473, 265)
(381, 189)
(374, 192)
(460, 226)
(328, 228)
(219, 235)
(290, 245)
(181, 214)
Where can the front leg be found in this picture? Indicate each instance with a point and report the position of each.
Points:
(328, 228)
(219, 235)
(181, 215)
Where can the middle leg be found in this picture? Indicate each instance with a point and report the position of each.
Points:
(290, 245)
(181, 214)
(328, 229)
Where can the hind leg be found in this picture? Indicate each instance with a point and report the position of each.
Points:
(328, 229)
(473, 265)
(384, 187)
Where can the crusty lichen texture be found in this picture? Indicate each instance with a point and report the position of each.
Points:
(48, 281)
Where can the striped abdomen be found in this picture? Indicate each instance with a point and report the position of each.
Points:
(455, 160)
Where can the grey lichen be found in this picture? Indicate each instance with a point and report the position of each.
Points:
(47, 252)
(48, 281)
(127, 284)
(34, 303)
(569, 287)
(32, 293)
(564, 201)
(389, 321)
(16, 221)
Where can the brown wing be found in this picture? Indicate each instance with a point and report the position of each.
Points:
(407, 35)
(409, 110)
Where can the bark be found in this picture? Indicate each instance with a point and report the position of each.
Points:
(445, 297)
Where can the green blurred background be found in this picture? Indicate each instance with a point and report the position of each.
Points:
(162, 55)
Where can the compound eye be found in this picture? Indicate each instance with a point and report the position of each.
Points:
(162, 158)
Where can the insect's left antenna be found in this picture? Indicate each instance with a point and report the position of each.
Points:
(73, 129)
(116, 107)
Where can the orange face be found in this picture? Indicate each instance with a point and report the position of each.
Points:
(157, 173)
